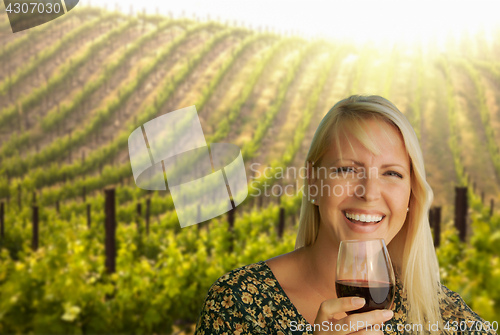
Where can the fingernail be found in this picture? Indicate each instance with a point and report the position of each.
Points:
(388, 313)
(358, 301)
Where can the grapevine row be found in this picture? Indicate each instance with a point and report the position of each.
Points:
(299, 134)
(45, 56)
(297, 139)
(249, 150)
(101, 155)
(16, 166)
(115, 175)
(484, 113)
(184, 123)
(293, 146)
(472, 267)
(21, 43)
(315, 95)
(56, 115)
(75, 261)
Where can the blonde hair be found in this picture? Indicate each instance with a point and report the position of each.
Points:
(412, 249)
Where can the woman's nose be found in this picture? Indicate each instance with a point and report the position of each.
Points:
(371, 188)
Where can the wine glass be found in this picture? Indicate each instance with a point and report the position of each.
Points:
(364, 269)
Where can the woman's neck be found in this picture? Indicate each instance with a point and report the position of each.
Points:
(319, 262)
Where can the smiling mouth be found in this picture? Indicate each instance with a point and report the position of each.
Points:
(363, 222)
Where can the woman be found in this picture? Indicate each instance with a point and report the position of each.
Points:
(366, 180)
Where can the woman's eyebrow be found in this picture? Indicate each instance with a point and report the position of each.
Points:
(392, 164)
(348, 159)
(361, 164)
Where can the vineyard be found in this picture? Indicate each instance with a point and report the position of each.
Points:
(72, 91)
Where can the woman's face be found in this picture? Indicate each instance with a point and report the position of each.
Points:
(363, 195)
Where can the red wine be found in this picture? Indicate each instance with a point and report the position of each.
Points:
(378, 295)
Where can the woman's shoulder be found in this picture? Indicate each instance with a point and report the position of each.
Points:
(249, 278)
(239, 302)
(455, 311)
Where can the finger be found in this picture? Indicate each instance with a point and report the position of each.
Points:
(363, 323)
(368, 332)
(329, 308)
(370, 320)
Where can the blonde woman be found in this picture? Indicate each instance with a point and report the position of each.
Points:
(366, 180)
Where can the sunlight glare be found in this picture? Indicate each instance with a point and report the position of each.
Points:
(356, 21)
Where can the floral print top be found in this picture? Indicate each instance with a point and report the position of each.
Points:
(250, 300)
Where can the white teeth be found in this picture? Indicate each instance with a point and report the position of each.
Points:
(364, 217)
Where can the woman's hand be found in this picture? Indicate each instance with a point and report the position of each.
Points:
(333, 312)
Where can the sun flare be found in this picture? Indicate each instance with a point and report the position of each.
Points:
(383, 21)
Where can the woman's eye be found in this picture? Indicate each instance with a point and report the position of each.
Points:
(346, 169)
(394, 174)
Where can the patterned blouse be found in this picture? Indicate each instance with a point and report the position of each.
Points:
(250, 300)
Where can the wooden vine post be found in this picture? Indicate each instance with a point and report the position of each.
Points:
(139, 214)
(148, 206)
(431, 217)
(230, 220)
(110, 226)
(281, 223)
(281, 218)
(435, 222)
(461, 208)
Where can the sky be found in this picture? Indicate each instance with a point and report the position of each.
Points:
(347, 19)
